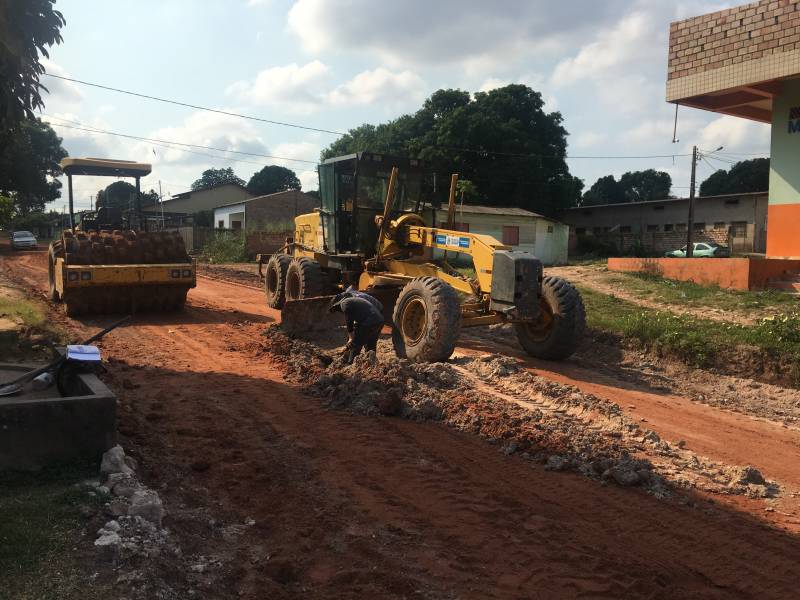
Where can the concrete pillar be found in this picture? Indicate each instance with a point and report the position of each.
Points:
(783, 215)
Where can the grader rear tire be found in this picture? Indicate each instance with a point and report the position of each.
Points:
(275, 280)
(557, 333)
(427, 320)
(304, 279)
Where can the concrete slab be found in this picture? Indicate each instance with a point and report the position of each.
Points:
(41, 428)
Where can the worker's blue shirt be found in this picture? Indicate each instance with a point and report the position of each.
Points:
(369, 298)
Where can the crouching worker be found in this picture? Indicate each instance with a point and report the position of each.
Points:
(364, 322)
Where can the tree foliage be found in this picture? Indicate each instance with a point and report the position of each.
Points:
(27, 29)
(29, 157)
(502, 140)
(214, 177)
(745, 176)
(6, 211)
(633, 186)
(273, 179)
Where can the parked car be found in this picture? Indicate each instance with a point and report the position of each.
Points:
(23, 240)
(702, 250)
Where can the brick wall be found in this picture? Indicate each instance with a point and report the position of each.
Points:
(657, 242)
(261, 242)
(733, 36)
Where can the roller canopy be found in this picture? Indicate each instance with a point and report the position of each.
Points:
(104, 168)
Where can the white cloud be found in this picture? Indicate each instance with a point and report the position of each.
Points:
(306, 173)
(472, 32)
(587, 139)
(734, 134)
(294, 87)
(63, 94)
(308, 88)
(380, 87)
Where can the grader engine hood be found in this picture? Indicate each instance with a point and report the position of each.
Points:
(516, 281)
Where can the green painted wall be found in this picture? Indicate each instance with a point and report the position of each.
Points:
(784, 176)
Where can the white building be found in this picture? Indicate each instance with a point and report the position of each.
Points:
(516, 227)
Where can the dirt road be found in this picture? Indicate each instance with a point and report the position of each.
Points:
(347, 506)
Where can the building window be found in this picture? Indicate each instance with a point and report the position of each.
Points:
(221, 224)
(699, 227)
(580, 231)
(680, 226)
(719, 225)
(661, 207)
(588, 213)
(511, 235)
(597, 230)
(624, 228)
(549, 229)
(236, 224)
(732, 202)
(652, 228)
(456, 226)
(669, 227)
(739, 229)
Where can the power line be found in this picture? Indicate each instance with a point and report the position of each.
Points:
(194, 106)
(91, 129)
(308, 128)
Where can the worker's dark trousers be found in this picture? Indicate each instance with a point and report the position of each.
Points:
(364, 337)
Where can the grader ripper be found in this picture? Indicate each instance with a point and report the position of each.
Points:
(370, 233)
(110, 262)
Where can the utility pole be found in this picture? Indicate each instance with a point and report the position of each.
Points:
(161, 202)
(690, 223)
(91, 201)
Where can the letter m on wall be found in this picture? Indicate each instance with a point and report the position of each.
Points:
(794, 126)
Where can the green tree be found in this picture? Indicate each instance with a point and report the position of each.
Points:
(745, 176)
(27, 29)
(6, 211)
(502, 140)
(273, 179)
(29, 157)
(214, 177)
(645, 185)
(606, 190)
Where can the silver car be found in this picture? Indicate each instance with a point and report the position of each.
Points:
(23, 240)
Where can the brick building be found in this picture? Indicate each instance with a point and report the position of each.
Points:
(195, 201)
(734, 220)
(268, 212)
(745, 61)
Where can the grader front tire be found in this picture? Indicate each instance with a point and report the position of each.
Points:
(304, 279)
(557, 333)
(275, 280)
(427, 320)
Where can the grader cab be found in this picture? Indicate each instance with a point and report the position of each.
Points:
(371, 232)
(110, 262)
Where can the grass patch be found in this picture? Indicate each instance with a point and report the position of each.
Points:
(30, 331)
(21, 309)
(225, 247)
(697, 341)
(40, 531)
(685, 293)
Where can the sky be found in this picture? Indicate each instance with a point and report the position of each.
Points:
(335, 64)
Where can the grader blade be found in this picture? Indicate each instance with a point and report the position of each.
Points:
(309, 315)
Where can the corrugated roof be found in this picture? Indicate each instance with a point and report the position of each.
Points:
(497, 210)
(697, 198)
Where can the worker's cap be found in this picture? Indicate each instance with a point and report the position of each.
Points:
(336, 301)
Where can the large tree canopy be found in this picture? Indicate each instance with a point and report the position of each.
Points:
(502, 140)
(215, 177)
(633, 186)
(27, 28)
(745, 176)
(29, 157)
(273, 179)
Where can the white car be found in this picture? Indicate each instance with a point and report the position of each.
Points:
(23, 240)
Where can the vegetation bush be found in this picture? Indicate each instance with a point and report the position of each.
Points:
(225, 247)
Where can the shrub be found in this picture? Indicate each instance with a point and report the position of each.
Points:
(225, 247)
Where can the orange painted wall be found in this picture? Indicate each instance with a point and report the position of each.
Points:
(730, 273)
(783, 230)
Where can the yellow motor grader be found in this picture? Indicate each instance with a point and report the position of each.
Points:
(110, 262)
(370, 233)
